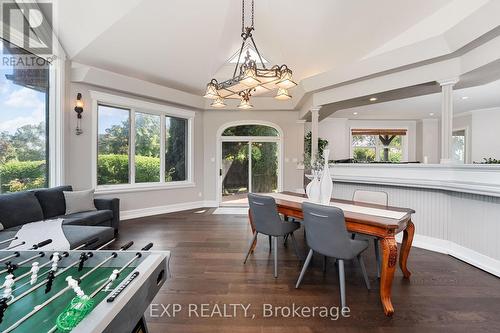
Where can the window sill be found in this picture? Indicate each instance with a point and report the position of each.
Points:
(127, 188)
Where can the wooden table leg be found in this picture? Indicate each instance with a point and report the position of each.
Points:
(389, 258)
(253, 230)
(405, 248)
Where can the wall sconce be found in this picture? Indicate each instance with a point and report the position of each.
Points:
(79, 111)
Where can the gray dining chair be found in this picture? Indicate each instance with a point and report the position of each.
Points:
(268, 222)
(376, 198)
(327, 235)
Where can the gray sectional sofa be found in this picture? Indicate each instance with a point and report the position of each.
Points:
(20, 208)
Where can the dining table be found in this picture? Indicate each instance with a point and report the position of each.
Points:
(380, 221)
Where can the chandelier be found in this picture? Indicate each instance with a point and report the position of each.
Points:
(249, 79)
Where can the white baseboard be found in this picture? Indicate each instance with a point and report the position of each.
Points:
(137, 213)
(474, 258)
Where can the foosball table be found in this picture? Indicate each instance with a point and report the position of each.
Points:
(81, 291)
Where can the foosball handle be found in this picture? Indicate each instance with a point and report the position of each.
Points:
(147, 247)
(41, 244)
(126, 246)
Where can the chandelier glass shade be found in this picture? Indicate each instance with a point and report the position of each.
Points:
(248, 78)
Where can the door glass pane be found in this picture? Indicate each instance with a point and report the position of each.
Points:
(147, 148)
(235, 175)
(113, 145)
(264, 167)
(24, 96)
(175, 149)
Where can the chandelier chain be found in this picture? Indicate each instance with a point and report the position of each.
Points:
(243, 15)
(252, 12)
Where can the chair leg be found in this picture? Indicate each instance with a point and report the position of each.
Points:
(377, 256)
(270, 244)
(285, 238)
(250, 248)
(363, 269)
(275, 245)
(294, 244)
(342, 282)
(304, 268)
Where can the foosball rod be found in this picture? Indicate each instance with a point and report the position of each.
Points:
(39, 255)
(34, 247)
(28, 273)
(137, 256)
(64, 255)
(102, 286)
(17, 298)
(105, 245)
(39, 307)
(8, 240)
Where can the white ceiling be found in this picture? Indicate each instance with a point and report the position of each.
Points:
(183, 43)
(479, 97)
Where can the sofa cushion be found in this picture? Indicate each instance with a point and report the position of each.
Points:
(88, 218)
(52, 200)
(78, 235)
(19, 208)
(79, 201)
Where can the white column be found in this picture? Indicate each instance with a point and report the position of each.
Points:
(314, 131)
(447, 118)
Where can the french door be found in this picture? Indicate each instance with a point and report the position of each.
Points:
(248, 166)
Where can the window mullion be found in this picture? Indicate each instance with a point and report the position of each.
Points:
(132, 147)
(162, 148)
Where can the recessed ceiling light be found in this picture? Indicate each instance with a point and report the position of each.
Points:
(354, 113)
(373, 99)
(431, 114)
(465, 97)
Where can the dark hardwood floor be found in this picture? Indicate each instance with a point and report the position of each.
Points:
(443, 294)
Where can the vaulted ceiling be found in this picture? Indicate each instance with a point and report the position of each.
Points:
(182, 44)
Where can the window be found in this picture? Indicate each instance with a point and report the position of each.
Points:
(147, 148)
(143, 144)
(24, 135)
(175, 151)
(379, 145)
(458, 146)
(250, 130)
(113, 146)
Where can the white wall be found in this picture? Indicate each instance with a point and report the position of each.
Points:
(78, 148)
(337, 132)
(293, 144)
(484, 138)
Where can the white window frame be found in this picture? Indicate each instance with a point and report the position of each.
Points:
(135, 105)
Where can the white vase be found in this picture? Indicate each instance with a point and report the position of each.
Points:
(326, 184)
(313, 188)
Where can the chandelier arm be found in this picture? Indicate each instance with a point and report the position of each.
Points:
(258, 53)
(239, 57)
